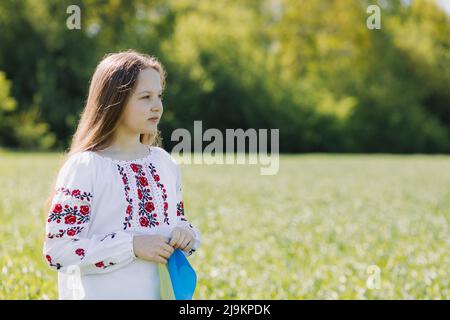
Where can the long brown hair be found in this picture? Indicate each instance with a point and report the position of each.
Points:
(111, 85)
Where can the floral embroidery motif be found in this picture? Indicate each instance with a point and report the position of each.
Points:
(129, 210)
(146, 206)
(163, 189)
(180, 212)
(70, 215)
(80, 252)
(70, 232)
(75, 193)
(51, 264)
(102, 265)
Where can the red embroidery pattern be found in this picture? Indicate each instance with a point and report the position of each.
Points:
(70, 215)
(156, 177)
(102, 265)
(70, 232)
(180, 212)
(75, 193)
(80, 252)
(129, 210)
(51, 264)
(146, 206)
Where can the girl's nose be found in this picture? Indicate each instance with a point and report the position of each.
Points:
(155, 109)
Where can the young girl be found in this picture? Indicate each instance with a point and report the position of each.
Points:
(117, 207)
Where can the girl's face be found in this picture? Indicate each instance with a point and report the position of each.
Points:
(144, 103)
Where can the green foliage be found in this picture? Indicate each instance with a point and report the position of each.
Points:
(32, 134)
(310, 68)
(24, 130)
(7, 103)
(7, 106)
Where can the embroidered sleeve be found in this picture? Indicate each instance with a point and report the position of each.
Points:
(66, 244)
(181, 217)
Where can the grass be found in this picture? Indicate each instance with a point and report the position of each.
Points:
(309, 232)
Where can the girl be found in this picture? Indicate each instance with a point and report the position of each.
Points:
(117, 207)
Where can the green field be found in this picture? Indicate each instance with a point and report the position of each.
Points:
(310, 232)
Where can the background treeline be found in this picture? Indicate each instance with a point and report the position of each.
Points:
(311, 68)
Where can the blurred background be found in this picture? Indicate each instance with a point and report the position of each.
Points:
(337, 91)
(311, 68)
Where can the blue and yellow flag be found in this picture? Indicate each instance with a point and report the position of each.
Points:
(177, 278)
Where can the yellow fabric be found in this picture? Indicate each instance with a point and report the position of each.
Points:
(165, 284)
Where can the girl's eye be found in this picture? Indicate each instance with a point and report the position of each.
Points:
(148, 97)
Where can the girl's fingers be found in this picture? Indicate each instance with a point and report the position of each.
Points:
(161, 259)
(168, 248)
(188, 247)
(175, 237)
(166, 253)
(181, 240)
(185, 243)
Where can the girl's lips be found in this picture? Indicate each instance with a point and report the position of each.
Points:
(154, 119)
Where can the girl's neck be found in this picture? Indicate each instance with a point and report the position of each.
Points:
(126, 143)
(126, 146)
(118, 153)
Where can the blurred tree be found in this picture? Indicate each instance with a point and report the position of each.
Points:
(7, 107)
(310, 68)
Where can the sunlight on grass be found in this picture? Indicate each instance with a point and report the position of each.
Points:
(309, 232)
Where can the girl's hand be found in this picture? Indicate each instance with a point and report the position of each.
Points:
(182, 238)
(152, 248)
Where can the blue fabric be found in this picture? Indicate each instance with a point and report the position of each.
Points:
(182, 275)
